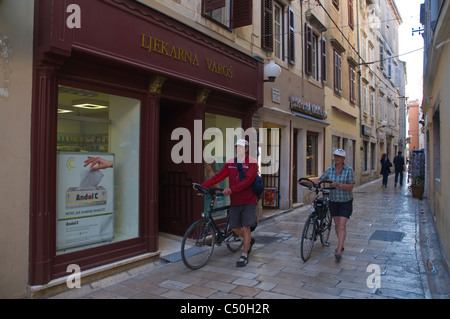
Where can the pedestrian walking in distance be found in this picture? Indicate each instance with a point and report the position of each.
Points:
(385, 168)
(399, 165)
(242, 199)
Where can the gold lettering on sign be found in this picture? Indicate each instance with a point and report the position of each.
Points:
(155, 45)
(219, 69)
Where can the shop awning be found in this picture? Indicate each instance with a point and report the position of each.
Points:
(310, 118)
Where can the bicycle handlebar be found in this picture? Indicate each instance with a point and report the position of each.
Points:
(205, 191)
(317, 186)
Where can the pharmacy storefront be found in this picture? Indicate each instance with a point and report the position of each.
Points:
(107, 96)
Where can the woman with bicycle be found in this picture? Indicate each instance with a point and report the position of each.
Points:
(341, 198)
(242, 199)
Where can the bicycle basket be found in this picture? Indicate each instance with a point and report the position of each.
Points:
(309, 197)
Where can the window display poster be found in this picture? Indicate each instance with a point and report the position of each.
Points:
(270, 197)
(84, 199)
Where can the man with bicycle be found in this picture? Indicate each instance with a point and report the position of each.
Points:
(242, 199)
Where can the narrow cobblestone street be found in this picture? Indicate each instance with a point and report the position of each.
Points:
(276, 271)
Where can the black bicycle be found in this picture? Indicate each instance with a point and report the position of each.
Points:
(318, 223)
(200, 238)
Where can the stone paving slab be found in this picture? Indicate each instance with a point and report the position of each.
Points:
(276, 271)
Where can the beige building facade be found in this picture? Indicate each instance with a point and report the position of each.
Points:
(16, 43)
(435, 17)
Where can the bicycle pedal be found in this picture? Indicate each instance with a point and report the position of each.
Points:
(326, 244)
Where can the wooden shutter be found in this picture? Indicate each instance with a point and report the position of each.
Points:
(211, 5)
(242, 13)
(337, 72)
(350, 14)
(323, 62)
(308, 49)
(267, 25)
(336, 3)
(291, 41)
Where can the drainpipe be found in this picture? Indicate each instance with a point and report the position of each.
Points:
(359, 70)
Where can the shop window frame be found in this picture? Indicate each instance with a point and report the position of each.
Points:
(43, 229)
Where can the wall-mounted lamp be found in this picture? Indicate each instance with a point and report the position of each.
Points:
(271, 71)
(382, 124)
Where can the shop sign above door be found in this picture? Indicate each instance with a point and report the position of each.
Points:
(136, 35)
(155, 45)
(296, 104)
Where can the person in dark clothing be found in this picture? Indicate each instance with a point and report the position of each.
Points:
(399, 165)
(385, 168)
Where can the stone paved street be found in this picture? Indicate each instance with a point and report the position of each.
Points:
(276, 271)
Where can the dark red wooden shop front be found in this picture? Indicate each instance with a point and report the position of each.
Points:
(125, 48)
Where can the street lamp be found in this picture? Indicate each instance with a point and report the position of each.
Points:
(272, 71)
(383, 124)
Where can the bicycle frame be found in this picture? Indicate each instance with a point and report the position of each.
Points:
(206, 234)
(318, 220)
(220, 233)
(211, 210)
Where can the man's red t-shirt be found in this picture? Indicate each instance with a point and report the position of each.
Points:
(242, 192)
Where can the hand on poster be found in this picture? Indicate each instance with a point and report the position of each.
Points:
(97, 163)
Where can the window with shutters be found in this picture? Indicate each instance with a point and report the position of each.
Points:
(323, 63)
(381, 56)
(372, 104)
(291, 36)
(278, 31)
(350, 14)
(337, 72)
(267, 25)
(314, 57)
(308, 49)
(336, 4)
(315, 54)
(352, 84)
(228, 13)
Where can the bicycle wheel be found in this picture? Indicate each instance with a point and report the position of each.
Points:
(198, 244)
(233, 241)
(308, 237)
(325, 227)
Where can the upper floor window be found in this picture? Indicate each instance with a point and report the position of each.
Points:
(278, 33)
(336, 4)
(228, 13)
(352, 84)
(337, 72)
(315, 54)
(351, 23)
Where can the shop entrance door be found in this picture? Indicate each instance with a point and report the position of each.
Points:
(176, 198)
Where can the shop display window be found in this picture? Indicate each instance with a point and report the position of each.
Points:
(97, 197)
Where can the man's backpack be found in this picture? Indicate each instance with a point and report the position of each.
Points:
(257, 186)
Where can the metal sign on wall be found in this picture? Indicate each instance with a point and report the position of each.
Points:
(296, 104)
